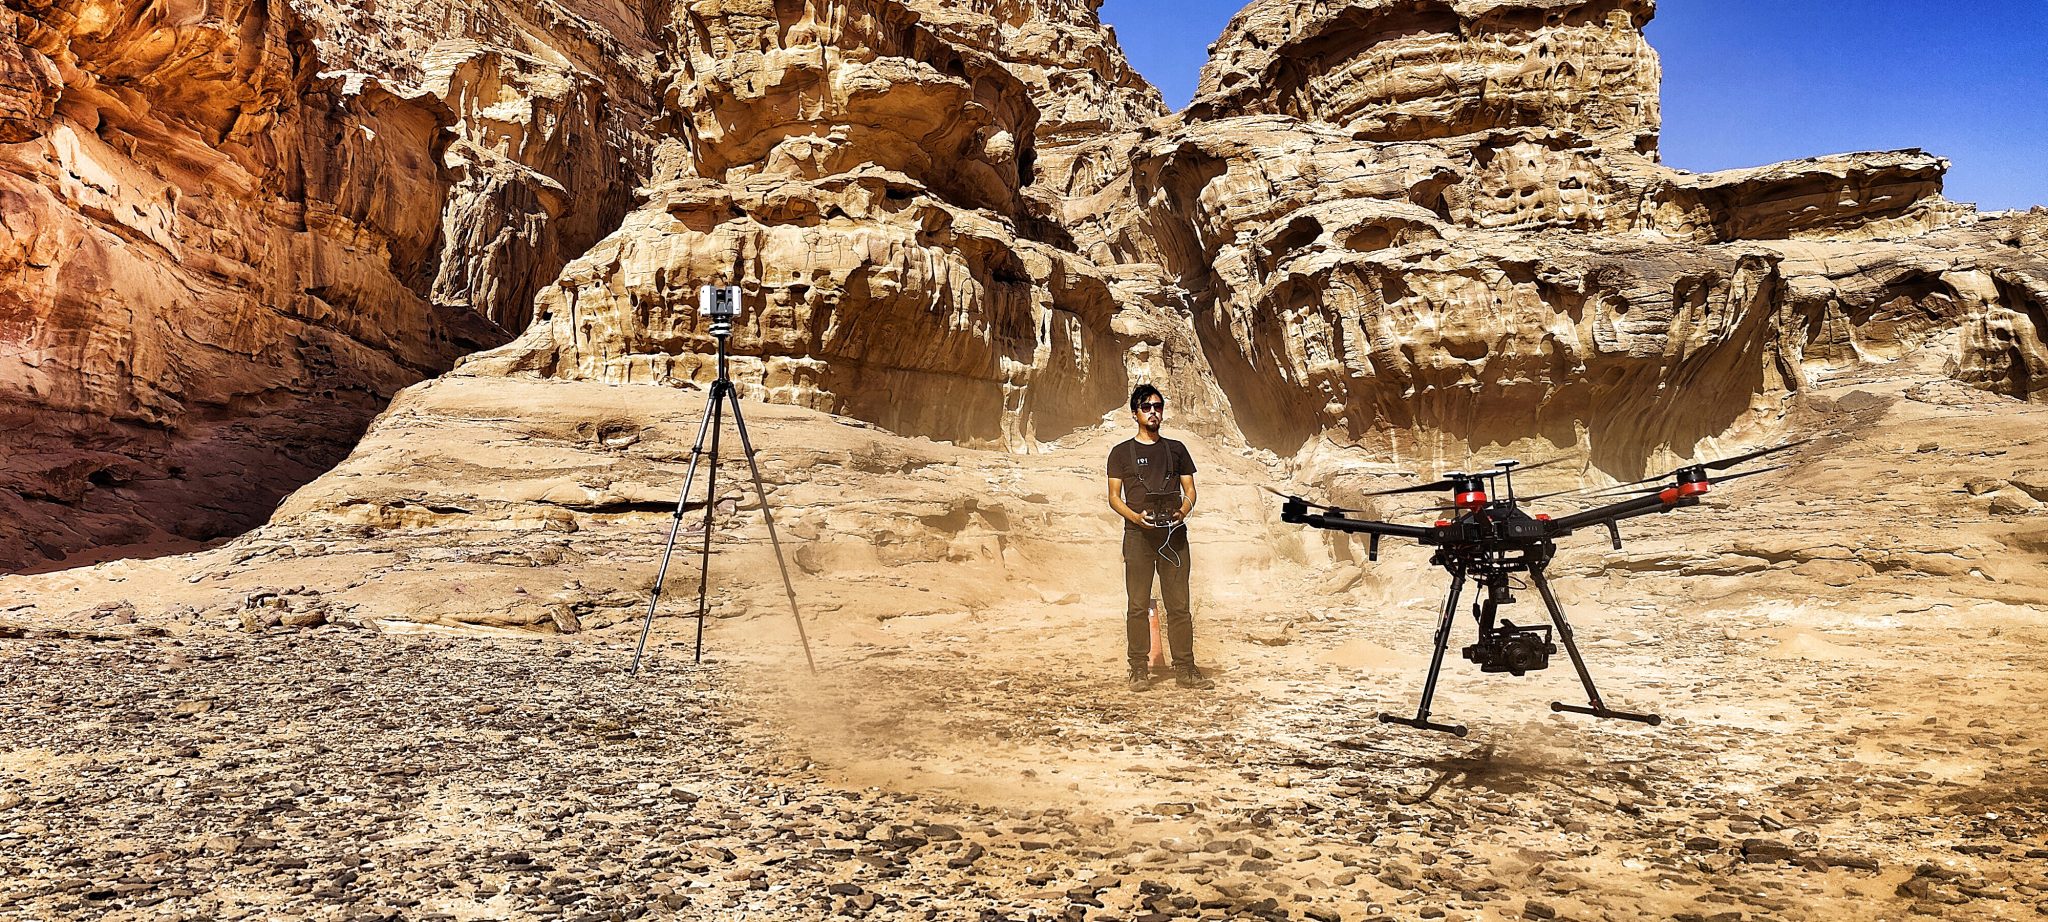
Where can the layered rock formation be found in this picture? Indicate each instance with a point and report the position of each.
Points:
(211, 273)
(1427, 229)
(1409, 69)
(221, 251)
(1435, 227)
(1392, 233)
(863, 178)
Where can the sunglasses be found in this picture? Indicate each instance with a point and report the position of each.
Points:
(1153, 405)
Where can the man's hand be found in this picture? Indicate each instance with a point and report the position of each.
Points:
(1116, 503)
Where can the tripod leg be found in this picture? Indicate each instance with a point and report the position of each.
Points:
(718, 391)
(1564, 632)
(760, 491)
(1436, 661)
(675, 527)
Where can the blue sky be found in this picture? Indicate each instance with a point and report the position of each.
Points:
(1750, 82)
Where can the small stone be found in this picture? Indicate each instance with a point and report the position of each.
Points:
(1763, 851)
(302, 619)
(1915, 887)
(2012, 502)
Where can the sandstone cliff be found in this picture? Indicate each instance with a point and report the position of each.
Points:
(1426, 230)
(864, 179)
(213, 270)
(224, 244)
(1431, 228)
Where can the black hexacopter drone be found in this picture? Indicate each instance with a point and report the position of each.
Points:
(1489, 539)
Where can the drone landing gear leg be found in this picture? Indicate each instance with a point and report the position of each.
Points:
(1421, 719)
(1564, 632)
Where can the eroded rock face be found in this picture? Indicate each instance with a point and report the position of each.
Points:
(1076, 75)
(1425, 228)
(1395, 70)
(862, 178)
(550, 106)
(221, 252)
(211, 270)
(1380, 259)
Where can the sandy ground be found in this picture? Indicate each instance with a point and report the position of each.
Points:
(1811, 766)
(365, 710)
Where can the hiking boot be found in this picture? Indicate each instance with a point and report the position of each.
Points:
(1191, 677)
(1141, 680)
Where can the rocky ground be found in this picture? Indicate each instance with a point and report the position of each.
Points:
(1811, 767)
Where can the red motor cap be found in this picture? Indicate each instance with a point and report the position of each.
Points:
(1472, 500)
(1695, 488)
(1669, 496)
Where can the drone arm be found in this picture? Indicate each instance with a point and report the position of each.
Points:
(1298, 514)
(1627, 509)
(1366, 527)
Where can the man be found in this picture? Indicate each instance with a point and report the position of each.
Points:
(1152, 486)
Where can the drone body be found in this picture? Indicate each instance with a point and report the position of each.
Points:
(1488, 541)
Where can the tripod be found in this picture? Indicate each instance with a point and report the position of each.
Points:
(722, 393)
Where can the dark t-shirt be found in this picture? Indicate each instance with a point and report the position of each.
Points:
(1149, 469)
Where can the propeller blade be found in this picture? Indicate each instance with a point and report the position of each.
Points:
(1633, 490)
(1418, 488)
(1644, 480)
(1518, 467)
(1544, 496)
(1720, 464)
(1450, 478)
(1726, 463)
(1659, 487)
(1552, 462)
(1761, 470)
